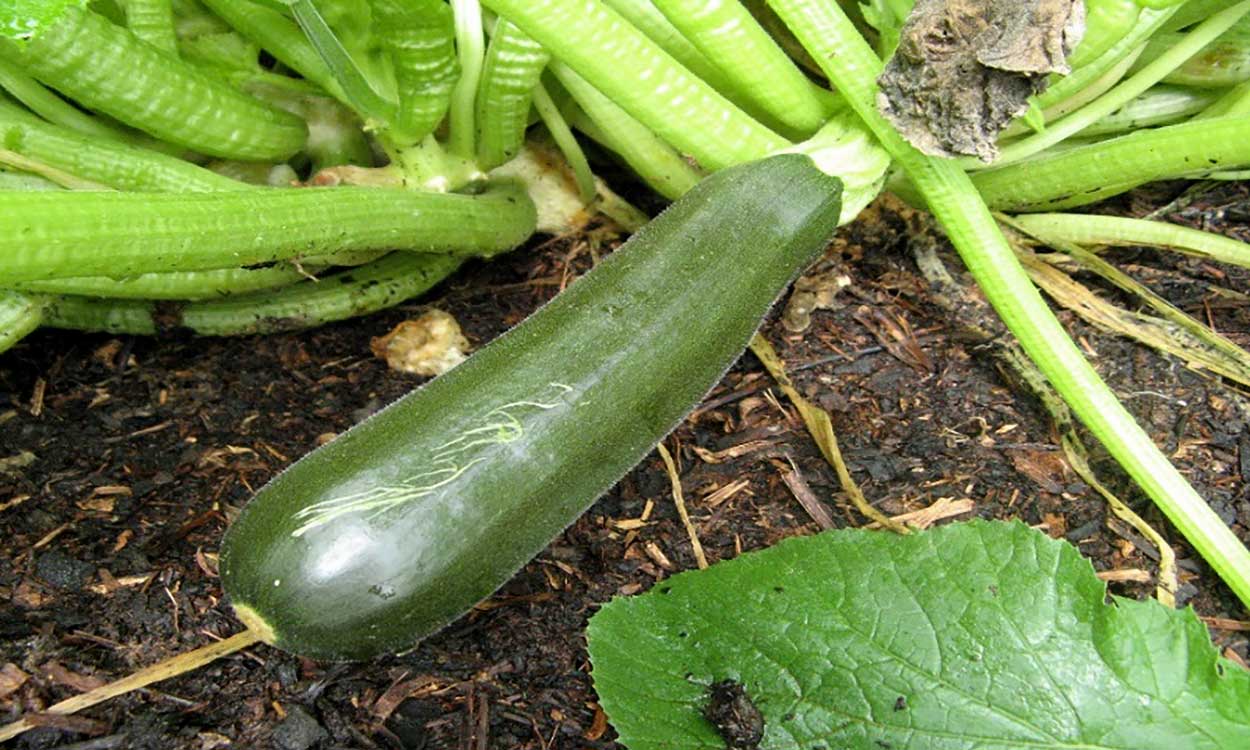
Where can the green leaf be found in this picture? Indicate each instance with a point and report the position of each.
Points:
(22, 19)
(979, 635)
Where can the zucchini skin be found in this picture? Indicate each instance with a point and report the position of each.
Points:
(404, 522)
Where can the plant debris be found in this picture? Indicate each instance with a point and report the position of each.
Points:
(965, 68)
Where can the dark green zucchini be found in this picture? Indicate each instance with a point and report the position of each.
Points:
(404, 522)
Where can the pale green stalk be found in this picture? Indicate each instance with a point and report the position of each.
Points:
(567, 143)
(656, 162)
(1119, 231)
(471, 49)
(728, 35)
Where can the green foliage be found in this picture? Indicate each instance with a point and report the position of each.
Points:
(979, 635)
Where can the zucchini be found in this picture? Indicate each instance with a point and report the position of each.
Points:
(404, 522)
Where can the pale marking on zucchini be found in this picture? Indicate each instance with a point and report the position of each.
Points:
(500, 427)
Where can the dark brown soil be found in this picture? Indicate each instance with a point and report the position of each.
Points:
(143, 449)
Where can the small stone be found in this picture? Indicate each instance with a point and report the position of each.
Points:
(62, 571)
(298, 731)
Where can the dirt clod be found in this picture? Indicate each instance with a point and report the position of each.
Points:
(298, 731)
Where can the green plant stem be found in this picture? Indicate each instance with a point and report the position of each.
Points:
(729, 36)
(182, 285)
(359, 291)
(648, 19)
(566, 142)
(514, 64)
(1118, 231)
(280, 37)
(51, 107)
(103, 161)
(1148, 22)
(19, 315)
(471, 49)
(1122, 94)
(1161, 105)
(376, 109)
(49, 235)
(1234, 101)
(1085, 174)
(647, 155)
(643, 79)
(1095, 89)
(19, 180)
(1222, 63)
(153, 22)
(419, 36)
(104, 67)
(1106, 23)
(1193, 11)
(852, 67)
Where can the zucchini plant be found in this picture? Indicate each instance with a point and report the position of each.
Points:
(415, 112)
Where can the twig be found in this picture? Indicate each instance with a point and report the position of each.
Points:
(172, 667)
(680, 501)
(803, 493)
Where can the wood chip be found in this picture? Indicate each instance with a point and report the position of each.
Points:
(1224, 623)
(11, 678)
(97, 504)
(396, 694)
(1235, 658)
(720, 495)
(59, 675)
(803, 493)
(598, 725)
(110, 584)
(734, 451)
(629, 524)
(36, 397)
(942, 509)
(658, 557)
(1137, 575)
(14, 502)
(46, 539)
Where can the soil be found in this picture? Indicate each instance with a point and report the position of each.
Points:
(126, 457)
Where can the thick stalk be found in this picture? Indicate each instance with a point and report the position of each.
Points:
(1085, 174)
(650, 157)
(49, 235)
(106, 68)
(1089, 229)
(375, 286)
(728, 35)
(103, 161)
(514, 63)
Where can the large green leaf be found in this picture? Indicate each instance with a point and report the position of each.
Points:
(22, 19)
(979, 635)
